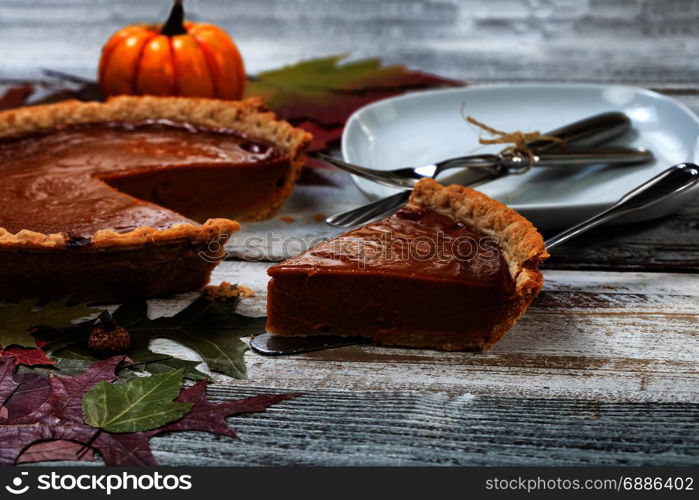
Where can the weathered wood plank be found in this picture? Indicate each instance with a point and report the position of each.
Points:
(339, 428)
(667, 244)
(607, 336)
(390, 428)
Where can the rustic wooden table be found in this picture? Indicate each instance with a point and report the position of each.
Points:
(603, 369)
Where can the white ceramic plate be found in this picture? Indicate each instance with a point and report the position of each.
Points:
(426, 127)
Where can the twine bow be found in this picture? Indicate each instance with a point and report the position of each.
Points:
(518, 139)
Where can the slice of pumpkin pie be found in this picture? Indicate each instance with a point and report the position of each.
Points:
(452, 270)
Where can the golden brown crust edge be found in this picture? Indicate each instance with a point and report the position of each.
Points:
(522, 245)
(212, 230)
(248, 116)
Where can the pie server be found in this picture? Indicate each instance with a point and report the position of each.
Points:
(665, 185)
(596, 129)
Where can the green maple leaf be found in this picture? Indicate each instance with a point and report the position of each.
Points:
(325, 73)
(72, 345)
(326, 91)
(76, 359)
(212, 329)
(16, 320)
(73, 357)
(166, 365)
(141, 404)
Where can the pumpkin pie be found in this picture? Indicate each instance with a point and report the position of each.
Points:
(134, 197)
(452, 270)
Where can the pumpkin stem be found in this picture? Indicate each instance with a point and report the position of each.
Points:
(175, 23)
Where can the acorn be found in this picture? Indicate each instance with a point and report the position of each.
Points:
(107, 337)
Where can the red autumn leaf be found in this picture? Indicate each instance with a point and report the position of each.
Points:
(15, 97)
(53, 451)
(31, 356)
(31, 392)
(323, 137)
(315, 163)
(8, 384)
(57, 417)
(62, 401)
(211, 417)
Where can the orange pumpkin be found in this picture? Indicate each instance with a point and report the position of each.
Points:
(180, 58)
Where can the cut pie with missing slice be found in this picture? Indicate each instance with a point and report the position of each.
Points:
(452, 270)
(133, 197)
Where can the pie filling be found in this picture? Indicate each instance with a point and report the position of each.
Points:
(79, 179)
(415, 278)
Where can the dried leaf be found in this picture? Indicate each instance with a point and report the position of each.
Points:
(213, 329)
(16, 320)
(326, 92)
(31, 356)
(8, 384)
(211, 417)
(67, 366)
(59, 418)
(73, 357)
(56, 450)
(138, 405)
(31, 392)
(15, 97)
(323, 137)
(167, 365)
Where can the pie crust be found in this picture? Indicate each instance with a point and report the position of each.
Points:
(522, 245)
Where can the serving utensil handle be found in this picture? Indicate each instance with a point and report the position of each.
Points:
(577, 157)
(596, 129)
(668, 183)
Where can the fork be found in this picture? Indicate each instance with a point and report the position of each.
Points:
(596, 129)
(492, 166)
